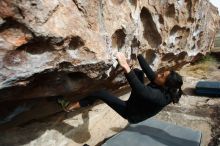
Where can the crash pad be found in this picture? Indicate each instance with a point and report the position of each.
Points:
(208, 88)
(153, 132)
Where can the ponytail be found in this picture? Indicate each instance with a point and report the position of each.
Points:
(173, 83)
(175, 94)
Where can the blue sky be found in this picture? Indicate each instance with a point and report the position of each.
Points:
(216, 3)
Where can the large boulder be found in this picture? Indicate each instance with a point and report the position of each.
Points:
(67, 47)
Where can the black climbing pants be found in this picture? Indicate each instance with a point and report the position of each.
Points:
(114, 102)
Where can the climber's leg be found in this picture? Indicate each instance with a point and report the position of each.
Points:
(114, 102)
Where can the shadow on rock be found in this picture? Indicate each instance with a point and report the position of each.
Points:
(39, 131)
(80, 133)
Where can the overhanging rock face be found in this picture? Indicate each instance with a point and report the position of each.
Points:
(66, 47)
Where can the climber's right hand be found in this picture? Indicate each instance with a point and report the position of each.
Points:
(123, 61)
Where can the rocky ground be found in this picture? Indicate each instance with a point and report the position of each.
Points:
(93, 125)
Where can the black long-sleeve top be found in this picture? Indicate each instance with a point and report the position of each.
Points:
(145, 100)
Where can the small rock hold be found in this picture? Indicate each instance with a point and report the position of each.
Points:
(1, 21)
(57, 41)
(14, 58)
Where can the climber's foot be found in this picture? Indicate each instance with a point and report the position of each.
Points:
(72, 106)
(67, 105)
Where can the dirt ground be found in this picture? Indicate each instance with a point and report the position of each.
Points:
(94, 124)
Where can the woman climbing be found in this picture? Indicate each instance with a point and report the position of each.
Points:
(145, 101)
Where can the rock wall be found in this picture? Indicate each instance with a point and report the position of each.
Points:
(66, 47)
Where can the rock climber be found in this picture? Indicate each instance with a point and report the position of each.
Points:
(145, 101)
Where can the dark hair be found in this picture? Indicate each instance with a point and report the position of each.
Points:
(173, 83)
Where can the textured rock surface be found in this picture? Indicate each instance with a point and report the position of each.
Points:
(66, 47)
(65, 42)
(217, 43)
